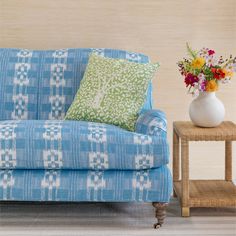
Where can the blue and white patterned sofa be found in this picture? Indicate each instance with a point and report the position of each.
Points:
(45, 158)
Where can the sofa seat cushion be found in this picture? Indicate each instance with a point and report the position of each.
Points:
(47, 144)
(153, 185)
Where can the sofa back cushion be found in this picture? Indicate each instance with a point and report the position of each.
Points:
(42, 84)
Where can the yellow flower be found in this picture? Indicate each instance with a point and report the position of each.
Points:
(228, 73)
(211, 86)
(198, 63)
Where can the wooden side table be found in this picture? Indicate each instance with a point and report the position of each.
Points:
(202, 193)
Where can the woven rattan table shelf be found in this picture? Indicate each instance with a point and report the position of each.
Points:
(202, 193)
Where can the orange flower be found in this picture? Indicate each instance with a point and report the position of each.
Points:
(211, 86)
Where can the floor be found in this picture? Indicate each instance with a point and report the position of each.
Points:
(110, 219)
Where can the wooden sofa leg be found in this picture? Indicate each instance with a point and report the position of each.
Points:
(160, 213)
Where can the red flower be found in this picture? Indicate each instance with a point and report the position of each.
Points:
(211, 52)
(190, 79)
(218, 73)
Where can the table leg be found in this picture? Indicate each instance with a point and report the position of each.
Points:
(175, 156)
(185, 176)
(228, 160)
(175, 168)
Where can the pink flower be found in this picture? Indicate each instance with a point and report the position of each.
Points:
(201, 82)
(203, 86)
(211, 52)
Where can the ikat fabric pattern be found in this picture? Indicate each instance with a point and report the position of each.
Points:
(154, 185)
(18, 84)
(51, 144)
(112, 91)
(41, 85)
(152, 122)
(44, 158)
(8, 144)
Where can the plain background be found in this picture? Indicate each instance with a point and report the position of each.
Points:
(158, 28)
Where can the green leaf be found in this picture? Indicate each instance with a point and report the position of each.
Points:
(191, 52)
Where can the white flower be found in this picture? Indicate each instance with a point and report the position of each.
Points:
(201, 77)
(196, 89)
(225, 80)
(195, 93)
(210, 60)
(231, 67)
(234, 67)
(197, 86)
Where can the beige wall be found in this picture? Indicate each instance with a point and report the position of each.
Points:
(158, 28)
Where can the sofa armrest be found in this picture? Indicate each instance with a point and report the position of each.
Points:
(152, 122)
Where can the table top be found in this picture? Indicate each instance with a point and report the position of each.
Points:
(187, 130)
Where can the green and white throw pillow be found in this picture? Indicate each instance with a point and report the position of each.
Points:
(112, 91)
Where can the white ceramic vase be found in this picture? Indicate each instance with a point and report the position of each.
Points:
(207, 110)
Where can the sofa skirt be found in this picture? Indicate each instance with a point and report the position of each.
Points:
(153, 185)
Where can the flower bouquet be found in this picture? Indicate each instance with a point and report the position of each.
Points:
(203, 72)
